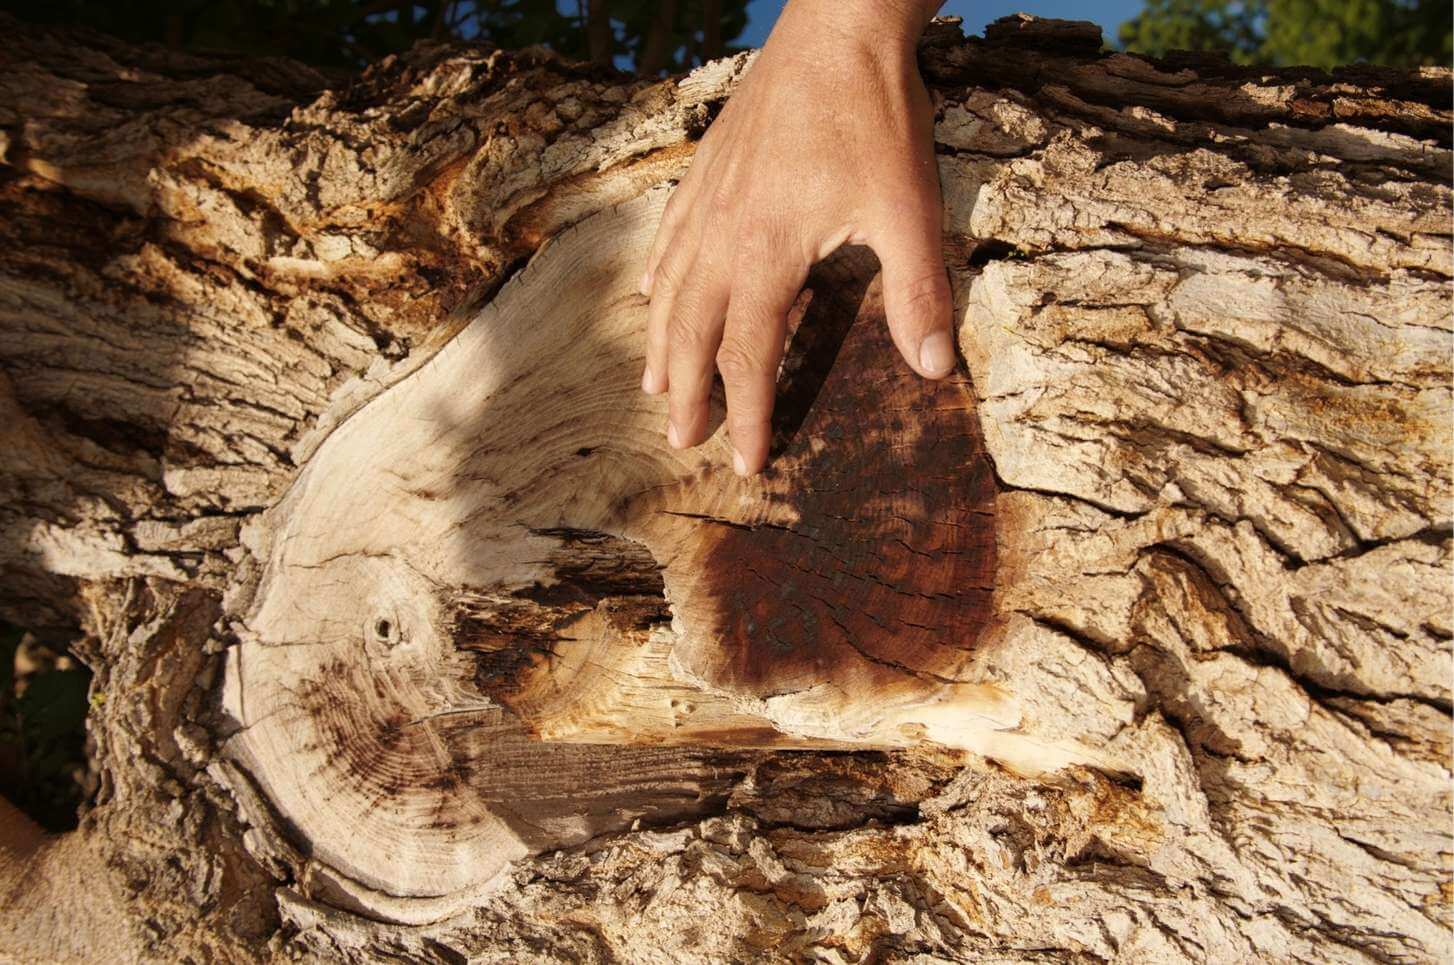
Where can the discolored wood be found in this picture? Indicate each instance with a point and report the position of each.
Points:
(883, 564)
(413, 639)
(536, 546)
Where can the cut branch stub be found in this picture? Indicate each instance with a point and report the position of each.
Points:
(500, 553)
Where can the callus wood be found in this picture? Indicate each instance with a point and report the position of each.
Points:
(413, 638)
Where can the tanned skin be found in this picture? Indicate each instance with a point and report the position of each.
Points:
(828, 140)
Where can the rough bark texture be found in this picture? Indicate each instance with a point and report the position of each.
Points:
(1205, 315)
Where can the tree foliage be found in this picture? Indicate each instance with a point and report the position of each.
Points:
(1318, 33)
(352, 33)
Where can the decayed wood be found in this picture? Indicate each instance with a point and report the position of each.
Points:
(355, 505)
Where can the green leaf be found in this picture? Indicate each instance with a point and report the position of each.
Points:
(1317, 33)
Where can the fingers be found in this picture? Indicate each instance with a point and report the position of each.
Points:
(917, 299)
(752, 348)
(671, 272)
(698, 305)
(673, 217)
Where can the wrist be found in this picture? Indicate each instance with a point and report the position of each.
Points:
(888, 26)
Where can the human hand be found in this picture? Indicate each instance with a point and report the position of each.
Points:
(828, 140)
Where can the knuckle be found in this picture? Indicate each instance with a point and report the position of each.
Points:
(683, 405)
(746, 428)
(757, 242)
(747, 419)
(741, 358)
(676, 207)
(670, 273)
(689, 332)
(722, 200)
(928, 290)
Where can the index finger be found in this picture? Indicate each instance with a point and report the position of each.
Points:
(752, 348)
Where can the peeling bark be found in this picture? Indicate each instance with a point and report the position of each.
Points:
(1171, 553)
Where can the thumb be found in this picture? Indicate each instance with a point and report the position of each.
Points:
(917, 299)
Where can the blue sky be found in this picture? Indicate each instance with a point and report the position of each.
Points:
(976, 13)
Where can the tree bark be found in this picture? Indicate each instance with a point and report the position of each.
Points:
(412, 639)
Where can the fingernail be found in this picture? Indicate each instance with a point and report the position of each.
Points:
(646, 383)
(672, 436)
(936, 353)
(644, 286)
(739, 465)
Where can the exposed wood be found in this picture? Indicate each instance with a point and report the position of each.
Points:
(321, 424)
(534, 543)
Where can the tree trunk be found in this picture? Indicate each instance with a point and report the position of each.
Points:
(598, 32)
(411, 637)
